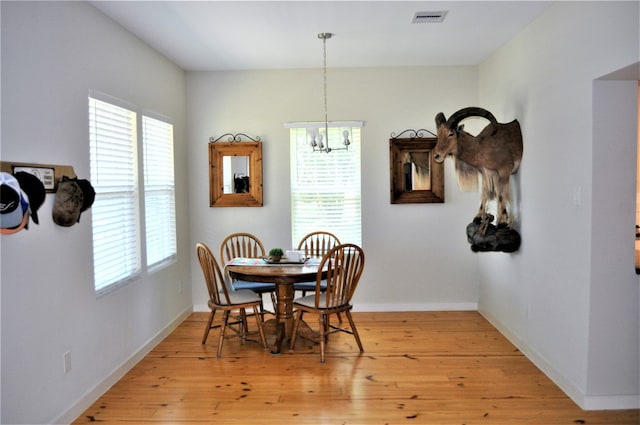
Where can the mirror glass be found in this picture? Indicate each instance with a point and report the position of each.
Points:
(235, 174)
(416, 171)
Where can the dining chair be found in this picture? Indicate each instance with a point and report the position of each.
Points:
(246, 245)
(315, 244)
(344, 265)
(226, 300)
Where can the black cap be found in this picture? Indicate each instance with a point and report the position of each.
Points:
(34, 188)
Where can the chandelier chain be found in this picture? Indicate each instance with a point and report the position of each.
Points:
(326, 120)
(324, 146)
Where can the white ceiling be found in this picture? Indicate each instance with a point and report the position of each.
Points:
(235, 35)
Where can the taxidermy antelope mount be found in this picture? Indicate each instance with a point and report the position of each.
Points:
(495, 153)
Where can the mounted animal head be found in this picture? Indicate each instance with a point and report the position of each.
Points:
(495, 153)
(448, 130)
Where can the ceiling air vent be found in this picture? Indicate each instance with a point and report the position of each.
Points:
(428, 17)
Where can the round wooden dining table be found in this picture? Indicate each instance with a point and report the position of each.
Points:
(284, 276)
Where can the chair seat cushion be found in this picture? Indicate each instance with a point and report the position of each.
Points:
(310, 300)
(254, 286)
(309, 286)
(242, 296)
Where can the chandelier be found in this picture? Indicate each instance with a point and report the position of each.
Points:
(318, 141)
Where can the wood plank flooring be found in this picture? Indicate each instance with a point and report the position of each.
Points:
(418, 368)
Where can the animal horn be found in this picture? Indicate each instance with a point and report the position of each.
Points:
(440, 119)
(472, 111)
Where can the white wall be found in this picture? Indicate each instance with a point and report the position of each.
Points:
(613, 307)
(417, 255)
(569, 296)
(52, 54)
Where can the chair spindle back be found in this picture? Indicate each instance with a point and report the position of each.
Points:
(241, 245)
(218, 293)
(344, 265)
(317, 244)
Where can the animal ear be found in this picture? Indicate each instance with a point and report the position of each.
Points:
(440, 119)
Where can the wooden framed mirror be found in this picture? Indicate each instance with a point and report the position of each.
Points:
(415, 176)
(235, 174)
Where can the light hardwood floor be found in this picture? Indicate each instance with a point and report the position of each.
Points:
(418, 368)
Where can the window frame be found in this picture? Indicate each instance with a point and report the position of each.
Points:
(138, 216)
(168, 235)
(332, 173)
(109, 230)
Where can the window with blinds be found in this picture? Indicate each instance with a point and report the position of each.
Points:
(115, 211)
(325, 187)
(159, 192)
(116, 216)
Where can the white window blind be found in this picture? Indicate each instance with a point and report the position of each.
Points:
(114, 176)
(159, 191)
(325, 188)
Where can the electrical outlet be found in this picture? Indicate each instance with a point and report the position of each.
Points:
(577, 196)
(67, 361)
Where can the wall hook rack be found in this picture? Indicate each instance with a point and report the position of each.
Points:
(49, 174)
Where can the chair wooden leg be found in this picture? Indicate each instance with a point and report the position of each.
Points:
(274, 302)
(321, 327)
(223, 326)
(294, 332)
(260, 329)
(244, 327)
(206, 330)
(261, 307)
(354, 330)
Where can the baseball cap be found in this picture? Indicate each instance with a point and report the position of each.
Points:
(14, 205)
(34, 188)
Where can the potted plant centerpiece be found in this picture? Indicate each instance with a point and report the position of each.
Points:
(275, 254)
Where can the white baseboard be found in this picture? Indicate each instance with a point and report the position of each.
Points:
(621, 402)
(364, 307)
(93, 394)
(391, 307)
(574, 393)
